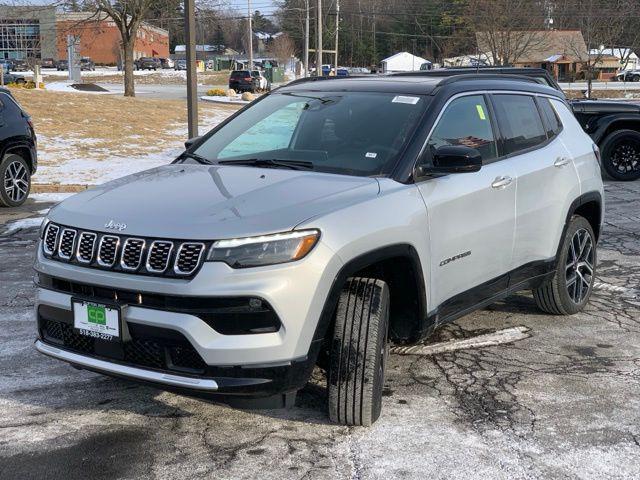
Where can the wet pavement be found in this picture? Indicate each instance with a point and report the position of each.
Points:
(562, 402)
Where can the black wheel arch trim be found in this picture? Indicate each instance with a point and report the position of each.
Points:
(13, 144)
(603, 124)
(583, 199)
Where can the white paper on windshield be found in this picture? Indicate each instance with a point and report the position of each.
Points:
(405, 99)
(371, 155)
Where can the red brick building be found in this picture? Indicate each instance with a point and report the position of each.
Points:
(100, 38)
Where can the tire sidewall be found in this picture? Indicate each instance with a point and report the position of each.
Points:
(4, 164)
(577, 223)
(608, 146)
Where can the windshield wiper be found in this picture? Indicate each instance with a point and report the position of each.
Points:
(270, 162)
(197, 158)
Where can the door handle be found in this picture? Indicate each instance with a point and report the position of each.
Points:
(561, 162)
(501, 182)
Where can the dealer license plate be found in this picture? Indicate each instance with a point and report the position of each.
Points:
(97, 320)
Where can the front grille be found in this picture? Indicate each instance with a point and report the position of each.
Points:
(132, 253)
(108, 250)
(51, 239)
(146, 256)
(86, 247)
(174, 354)
(188, 259)
(159, 254)
(67, 243)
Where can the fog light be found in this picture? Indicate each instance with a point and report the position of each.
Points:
(255, 303)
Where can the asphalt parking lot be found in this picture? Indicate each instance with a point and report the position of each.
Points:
(561, 402)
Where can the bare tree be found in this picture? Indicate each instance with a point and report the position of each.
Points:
(127, 16)
(282, 48)
(507, 30)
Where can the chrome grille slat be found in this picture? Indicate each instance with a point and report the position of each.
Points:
(51, 239)
(108, 250)
(67, 243)
(132, 251)
(159, 256)
(86, 247)
(120, 253)
(188, 258)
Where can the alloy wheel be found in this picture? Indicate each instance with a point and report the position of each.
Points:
(579, 268)
(626, 157)
(16, 181)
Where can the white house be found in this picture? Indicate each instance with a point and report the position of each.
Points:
(623, 54)
(402, 62)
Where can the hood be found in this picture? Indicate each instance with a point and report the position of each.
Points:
(600, 107)
(202, 202)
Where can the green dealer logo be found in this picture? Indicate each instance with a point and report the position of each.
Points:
(96, 315)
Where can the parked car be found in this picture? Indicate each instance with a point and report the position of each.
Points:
(18, 157)
(242, 81)
(260, 82)
(62, 65)
(342, 72)
(87, 64)
(332, 216)
(614, 126)
(8, 77)
(628, 76)
(48, 63)
(148, 63)
(166, 63)
(19, 66)
(180, 64)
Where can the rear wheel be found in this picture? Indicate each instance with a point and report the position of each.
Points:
(621, 155)
(568, 291)
(359, 352)
(16, 180)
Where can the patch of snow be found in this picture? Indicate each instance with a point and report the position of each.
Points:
(31, 222)
(507, 335)
(50, 197)
(225, 100)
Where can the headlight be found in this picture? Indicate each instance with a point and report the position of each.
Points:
(264, 250)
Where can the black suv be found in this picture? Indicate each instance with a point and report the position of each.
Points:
(17, 151)
(148, 63)
(614, 126)
(242, 81)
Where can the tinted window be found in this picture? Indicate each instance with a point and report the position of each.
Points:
(466, 122)
(353, 133)
(520, 122)
(551, 120)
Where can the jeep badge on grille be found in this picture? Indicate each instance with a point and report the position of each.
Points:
(111, 225)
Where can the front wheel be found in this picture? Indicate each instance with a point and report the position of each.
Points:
(16, 180)
(568, 291)
(621, 155)
(359, 351)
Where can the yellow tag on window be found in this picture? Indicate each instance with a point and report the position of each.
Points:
(481, 112)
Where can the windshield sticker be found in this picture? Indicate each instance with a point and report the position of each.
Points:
(407, 100)
(481, 112)
(371, 155)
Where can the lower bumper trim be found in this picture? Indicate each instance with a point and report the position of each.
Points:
(126, 371)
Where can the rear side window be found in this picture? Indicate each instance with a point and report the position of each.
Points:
(519, 121)
(551, 120)
(466, 122)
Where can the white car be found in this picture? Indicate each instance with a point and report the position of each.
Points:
(318, 224)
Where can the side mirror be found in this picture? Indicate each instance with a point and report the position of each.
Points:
(452, 159)
(189, 143)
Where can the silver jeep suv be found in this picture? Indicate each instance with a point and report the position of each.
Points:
(316, 225)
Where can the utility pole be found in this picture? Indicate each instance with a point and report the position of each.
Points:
(250, 35)
(306, 39)
(192, 79)
(319, 40)
(335, 63)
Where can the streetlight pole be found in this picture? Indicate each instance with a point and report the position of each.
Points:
(335, 63)
(306, 39)
(192, 79)
(319, 40)
(250, 35)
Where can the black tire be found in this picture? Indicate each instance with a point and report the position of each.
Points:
(621, 155)
(635, 78)
(560, 295)
(14, 194)
(359, 351)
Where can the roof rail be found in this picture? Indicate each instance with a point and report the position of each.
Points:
(461, 77)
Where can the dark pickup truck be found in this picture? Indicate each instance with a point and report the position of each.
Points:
(613, 125)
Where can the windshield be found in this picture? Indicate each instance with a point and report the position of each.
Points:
(354, 133)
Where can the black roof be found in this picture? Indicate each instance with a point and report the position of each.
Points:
(419, 83)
